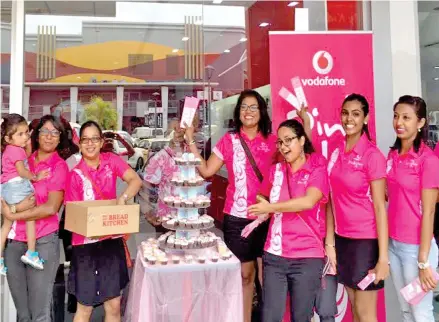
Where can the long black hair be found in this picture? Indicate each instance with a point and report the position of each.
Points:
(264, 124)
(420, 108)
(9, 127)
(298, 129)
(364, 106)
(65, 147)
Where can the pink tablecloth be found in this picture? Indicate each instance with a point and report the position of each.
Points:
(209, 292)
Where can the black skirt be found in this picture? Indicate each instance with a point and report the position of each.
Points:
(245, 249)
(98, 272)
(355, 257)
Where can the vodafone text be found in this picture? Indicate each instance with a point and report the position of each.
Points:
(323, 81)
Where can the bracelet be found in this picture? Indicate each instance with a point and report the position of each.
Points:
(191, 142)
(326, 244)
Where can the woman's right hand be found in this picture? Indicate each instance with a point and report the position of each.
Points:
(26, 203)
(43, 174)
(189, 133)
(330, 252)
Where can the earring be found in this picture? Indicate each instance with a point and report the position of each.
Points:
(419, 130)
(365, 123)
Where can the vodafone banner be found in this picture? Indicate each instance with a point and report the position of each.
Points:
(322, 69)
(329, 66)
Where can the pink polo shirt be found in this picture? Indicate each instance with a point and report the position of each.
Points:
(55, 182)
(350, 177)
(243, 183)
(296, 235)
(81, 188)
(436, 149)
(10, 156)
(407, 176)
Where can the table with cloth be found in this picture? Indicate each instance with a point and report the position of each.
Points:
(208, 292)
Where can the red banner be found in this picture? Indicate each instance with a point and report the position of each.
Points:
(322, 69)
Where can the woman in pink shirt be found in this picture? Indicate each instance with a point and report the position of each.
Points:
(32, 289)
(253, 129)
(357, 233)
(412, 182)
(98, 269)
(294, 252)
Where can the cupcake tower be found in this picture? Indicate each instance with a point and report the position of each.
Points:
(153, 255)
(188, 197)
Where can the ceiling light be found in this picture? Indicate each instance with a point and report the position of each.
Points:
(436, 67)
(264, 24)
(243, 39)
(227, 51)
(436, 78)
(175, 50)
(185, 38)
(293, 4)
(217, 1)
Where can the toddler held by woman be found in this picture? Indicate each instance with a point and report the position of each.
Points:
(16, 183)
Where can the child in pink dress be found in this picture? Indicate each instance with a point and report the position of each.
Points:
(16, 183)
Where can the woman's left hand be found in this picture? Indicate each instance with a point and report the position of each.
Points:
(6, 211)
(428, 282)
(381, 271)
(263, 207)
(303, 114)
(121, 201)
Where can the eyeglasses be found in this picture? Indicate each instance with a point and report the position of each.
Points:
(46, 132)
(252, 108)
(286, 142)
(95, 139)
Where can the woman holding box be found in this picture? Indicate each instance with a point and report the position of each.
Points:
(98, 270)
(413, 183)
(357, 233)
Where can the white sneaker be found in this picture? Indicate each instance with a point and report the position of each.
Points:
(33, 259)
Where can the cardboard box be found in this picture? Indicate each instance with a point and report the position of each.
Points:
(101, 218)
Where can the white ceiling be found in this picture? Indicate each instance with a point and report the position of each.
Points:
(71, 8)
(429, 42)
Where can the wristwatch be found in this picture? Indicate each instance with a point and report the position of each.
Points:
(423, 265)
(125, 196)
(13, 209)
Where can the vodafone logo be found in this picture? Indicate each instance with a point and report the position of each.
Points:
(322, 62)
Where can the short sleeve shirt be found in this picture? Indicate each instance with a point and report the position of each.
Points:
(407, 176)
(11, 155)
(87, 183)
(244, 185)
(350, 177)
(296, 235)
(159, 171)
(56, 181)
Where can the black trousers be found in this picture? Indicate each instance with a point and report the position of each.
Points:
(301, 278)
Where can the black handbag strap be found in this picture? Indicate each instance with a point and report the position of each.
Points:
(251, 159)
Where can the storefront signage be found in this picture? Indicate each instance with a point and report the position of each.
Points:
(330, 66)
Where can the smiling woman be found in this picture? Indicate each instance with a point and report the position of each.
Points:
(98, 266)
(32, 289)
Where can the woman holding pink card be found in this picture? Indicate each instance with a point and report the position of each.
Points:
(357, 233)
(247, 152)
(413, 183)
